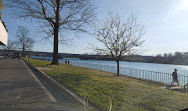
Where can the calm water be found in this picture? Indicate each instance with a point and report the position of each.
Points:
(165, 68)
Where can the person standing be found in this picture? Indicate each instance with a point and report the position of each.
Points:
(175, 77)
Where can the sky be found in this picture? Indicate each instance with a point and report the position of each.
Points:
(165, 21)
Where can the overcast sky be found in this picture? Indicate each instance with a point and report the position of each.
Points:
(166, 25)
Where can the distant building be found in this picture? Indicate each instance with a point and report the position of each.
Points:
(3, 34)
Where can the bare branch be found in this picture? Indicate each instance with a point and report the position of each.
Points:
(57, 15)
(23, 41)
(119, 38)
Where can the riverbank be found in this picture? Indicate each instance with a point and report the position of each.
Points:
(163, 68)
(123, 92)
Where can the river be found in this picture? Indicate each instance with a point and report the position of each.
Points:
(165, 68)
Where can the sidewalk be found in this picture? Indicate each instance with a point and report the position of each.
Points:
(176, 88)
(19, 85)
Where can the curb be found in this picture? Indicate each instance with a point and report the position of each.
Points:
(58, 85)
(39, 82)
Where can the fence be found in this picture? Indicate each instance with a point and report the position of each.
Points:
(142, 74)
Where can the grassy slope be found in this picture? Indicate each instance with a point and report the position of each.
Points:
(126, 93)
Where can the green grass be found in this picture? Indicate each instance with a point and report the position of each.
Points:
(127, 94)
(38, 63)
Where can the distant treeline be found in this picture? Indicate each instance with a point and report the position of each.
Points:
(178, 58)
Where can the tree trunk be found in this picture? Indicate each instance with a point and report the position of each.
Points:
(56, 32)
(23, 50)
(55, 50)
(23, 47)
(117, 68)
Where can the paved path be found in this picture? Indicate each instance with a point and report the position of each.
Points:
(20, 89)
(18, 84)
(176, 88)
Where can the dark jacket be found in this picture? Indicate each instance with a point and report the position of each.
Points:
(175, 75)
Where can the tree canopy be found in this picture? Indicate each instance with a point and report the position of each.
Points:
(119, 37)
(56, 16)
(1, 7)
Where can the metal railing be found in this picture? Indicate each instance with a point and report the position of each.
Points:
(142, 74)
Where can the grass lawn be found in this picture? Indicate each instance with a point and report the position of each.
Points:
(127, 94)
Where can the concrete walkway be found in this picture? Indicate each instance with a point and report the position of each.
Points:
(176, 88)
(19, 85)
(22, 89)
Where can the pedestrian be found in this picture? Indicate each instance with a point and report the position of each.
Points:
(68, 62)
(175, 77)
(65, 61)
(186, 85)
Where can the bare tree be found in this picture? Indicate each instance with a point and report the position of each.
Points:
(24, 41)
(11, 46)
(57, 15)
(119, 38)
